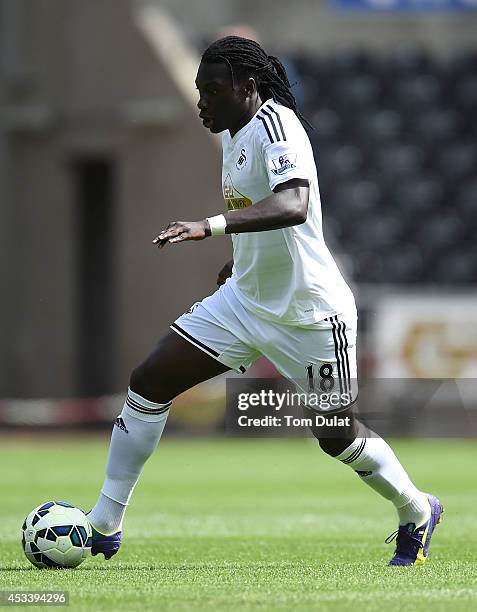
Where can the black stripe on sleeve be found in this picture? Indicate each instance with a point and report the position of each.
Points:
(263, 120)
(279, 121)
(272, 121)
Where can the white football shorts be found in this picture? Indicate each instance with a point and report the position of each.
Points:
(224, 329)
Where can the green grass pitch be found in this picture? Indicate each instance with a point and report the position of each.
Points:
(229, 524)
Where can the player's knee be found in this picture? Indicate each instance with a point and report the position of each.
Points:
(334, 439)
(148, 384)
(138, 380)
(333, 446)
(328, 441)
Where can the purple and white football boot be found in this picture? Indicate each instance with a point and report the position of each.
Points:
(106, 544)
(412, 543)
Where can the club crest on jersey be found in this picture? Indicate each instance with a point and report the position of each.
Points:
(283, 163)
(241, 161)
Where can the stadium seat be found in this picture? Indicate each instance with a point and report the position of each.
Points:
(467, 92)
(462, 61)
(416, 199)
(328, 124)
(418, 92)
(357, 91)
(404, 265)
(439, 233)
(455, 268)
(458, 160)
(400, 159)
(344, 160)
(380, 125)
(348, 61)
(437, 125)
(409, 60)
(354, 199)
(466, 203)
(368, 266)
(380, 232)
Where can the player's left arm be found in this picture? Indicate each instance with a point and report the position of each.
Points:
(286, 206)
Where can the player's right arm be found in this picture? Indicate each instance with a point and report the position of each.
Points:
(286, 206)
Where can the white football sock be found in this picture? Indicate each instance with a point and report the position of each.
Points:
(135, 436)
(377, 465)
(107, 516)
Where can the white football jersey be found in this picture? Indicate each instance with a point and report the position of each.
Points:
(286, 275)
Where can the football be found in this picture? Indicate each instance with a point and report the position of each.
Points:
(56, 534)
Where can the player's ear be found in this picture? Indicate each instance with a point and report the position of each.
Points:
(250, 87)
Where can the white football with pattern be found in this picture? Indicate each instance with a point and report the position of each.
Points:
(56, 535)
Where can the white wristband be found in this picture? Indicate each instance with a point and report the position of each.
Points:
(217, 225)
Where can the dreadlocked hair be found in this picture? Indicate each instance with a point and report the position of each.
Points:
(246, 57)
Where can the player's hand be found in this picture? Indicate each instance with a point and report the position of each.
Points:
(225, 273)
(179, 231)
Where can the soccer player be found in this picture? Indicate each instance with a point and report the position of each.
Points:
(282, 296)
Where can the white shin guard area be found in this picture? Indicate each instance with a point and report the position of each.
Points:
(376, 464)
(136, 434)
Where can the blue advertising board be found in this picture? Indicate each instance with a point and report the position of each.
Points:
(405, 5)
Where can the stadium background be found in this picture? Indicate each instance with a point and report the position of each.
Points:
(100, 147)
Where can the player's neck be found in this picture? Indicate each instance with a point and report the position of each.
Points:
(247, 116)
